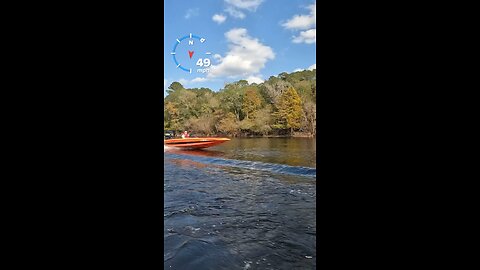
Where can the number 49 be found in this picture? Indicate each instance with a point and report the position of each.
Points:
(205, 62)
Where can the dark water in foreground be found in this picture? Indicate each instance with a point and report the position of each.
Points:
(245, 204)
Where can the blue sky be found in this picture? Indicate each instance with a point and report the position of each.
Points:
(247, 39)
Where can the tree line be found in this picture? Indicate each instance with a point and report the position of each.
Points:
(282, 105)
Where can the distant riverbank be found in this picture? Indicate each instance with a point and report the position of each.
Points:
(296, 135)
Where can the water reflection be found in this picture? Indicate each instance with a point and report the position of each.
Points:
(199, 152)
(290, 151)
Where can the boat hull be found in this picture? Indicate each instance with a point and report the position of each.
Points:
(194, 143)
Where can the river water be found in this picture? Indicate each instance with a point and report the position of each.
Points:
(249, 203)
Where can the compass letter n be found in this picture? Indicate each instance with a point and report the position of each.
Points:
(190, 42)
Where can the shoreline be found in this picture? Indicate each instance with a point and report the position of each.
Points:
(276, 136)
(256, 136)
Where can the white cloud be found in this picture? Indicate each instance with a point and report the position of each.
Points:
(183, 81)
(246, 56)
(191, 12)
(254, 79)
(309, 37)
(235, 13)
(300, 22)
(219, 18)
(188, 83)
(199, 79)
(312, 67)
(164, 83)
(236, 7)
(251, 5)
(304, 22)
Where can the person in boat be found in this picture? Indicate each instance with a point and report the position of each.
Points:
(169, 134)
(185, 135)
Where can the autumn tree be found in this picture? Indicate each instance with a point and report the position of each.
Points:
(171, 116)
(251, 102)
(310, 111)
(228, 124)
(274, 88)
(204, 124)
(289, 110)
(263, 120)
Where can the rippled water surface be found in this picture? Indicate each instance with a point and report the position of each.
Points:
(246, 204)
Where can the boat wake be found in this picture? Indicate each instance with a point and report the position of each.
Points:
(246, 164)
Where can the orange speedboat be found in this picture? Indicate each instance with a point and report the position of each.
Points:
(194, 143)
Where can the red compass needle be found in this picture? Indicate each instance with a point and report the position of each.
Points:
(190, 53)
